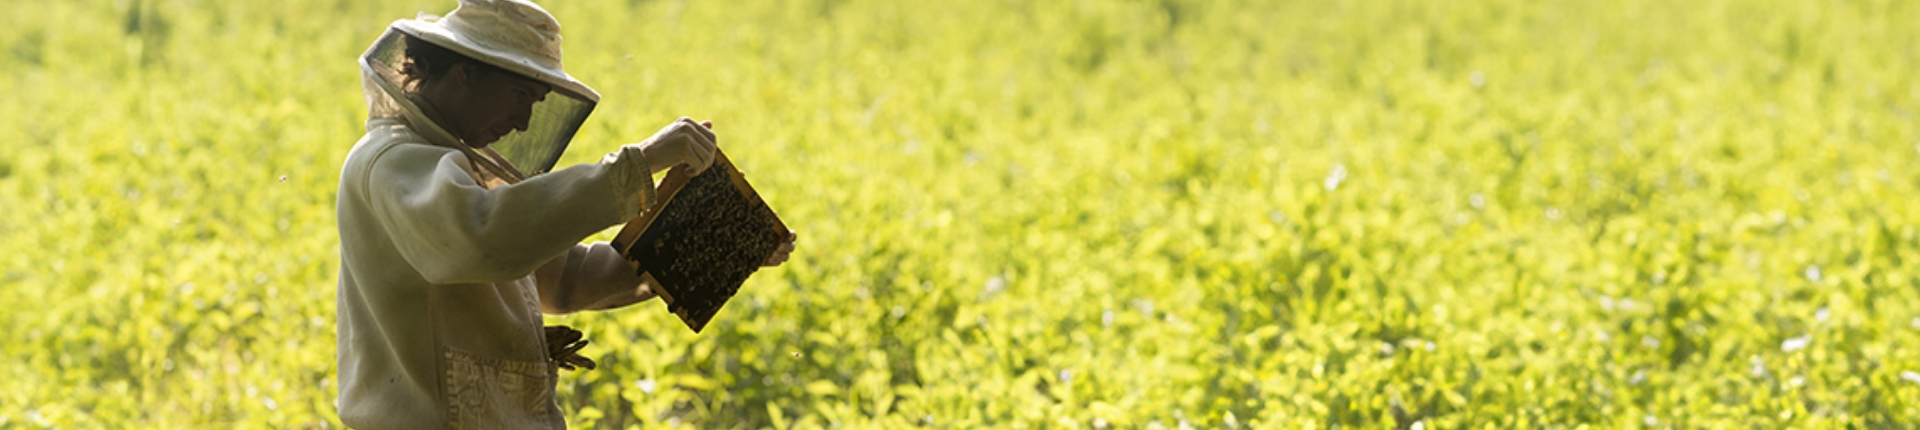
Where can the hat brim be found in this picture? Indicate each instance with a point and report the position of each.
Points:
(433, 32)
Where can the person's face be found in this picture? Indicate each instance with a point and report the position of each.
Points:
(492, 105)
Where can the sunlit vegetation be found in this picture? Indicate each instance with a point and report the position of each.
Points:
(1072, 214)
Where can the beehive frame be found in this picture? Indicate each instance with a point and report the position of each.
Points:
(701, 239)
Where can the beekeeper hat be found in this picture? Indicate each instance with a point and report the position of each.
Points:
(514, 35)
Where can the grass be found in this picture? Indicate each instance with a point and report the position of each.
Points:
(1059, 214)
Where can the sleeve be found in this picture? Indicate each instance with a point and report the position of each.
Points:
(452, 230)
(589, 277)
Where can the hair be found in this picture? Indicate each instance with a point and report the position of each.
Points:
(426, 62)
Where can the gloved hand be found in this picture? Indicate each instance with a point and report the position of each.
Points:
(563, 347)
(681, 142)
(781, 254)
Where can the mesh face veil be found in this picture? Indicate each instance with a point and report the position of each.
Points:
(514, 36)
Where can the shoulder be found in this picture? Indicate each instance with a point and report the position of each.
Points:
(389, 145)
(389, 138)
(384, 134)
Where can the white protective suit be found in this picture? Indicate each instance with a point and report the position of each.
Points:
(445, 270)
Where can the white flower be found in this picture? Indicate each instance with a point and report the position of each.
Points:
(1796, 343)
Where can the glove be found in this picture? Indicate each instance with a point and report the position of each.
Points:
(680, 142)
(563, 347)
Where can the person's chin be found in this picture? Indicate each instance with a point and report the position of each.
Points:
(483, 142)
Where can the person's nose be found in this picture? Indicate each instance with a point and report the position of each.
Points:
(522, 116)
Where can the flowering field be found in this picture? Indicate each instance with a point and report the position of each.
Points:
(1072, 214)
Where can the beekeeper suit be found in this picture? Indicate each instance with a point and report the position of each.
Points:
(454, 237)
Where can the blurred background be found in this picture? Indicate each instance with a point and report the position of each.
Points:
(1074, 214)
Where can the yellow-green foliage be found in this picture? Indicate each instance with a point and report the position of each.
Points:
(1076, 213)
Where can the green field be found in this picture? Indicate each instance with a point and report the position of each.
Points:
(1053, 214)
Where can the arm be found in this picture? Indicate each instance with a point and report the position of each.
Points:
(590, 277)
(452, 230)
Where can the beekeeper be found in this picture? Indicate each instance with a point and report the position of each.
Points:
(455, 238)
